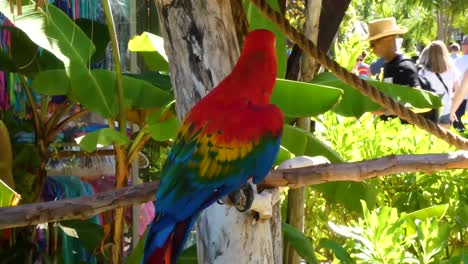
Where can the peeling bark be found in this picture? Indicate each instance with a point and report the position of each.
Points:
(201, 47)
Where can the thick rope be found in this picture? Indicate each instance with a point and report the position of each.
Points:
(354, 81)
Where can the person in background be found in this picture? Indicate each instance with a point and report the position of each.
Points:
(360, 68)
(462, 65)
(438, 69)
(397, 68)
(382, 38)
(454, 50)
(459, 96)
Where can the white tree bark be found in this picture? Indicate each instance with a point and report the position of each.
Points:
(202, 48)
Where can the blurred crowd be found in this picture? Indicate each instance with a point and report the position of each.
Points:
(439, 68)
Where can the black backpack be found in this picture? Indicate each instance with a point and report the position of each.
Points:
(425, 84)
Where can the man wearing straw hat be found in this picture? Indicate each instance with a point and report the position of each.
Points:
(383, 41)
(397, 68)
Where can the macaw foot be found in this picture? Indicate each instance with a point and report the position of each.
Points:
(260, 205)
(243, 198)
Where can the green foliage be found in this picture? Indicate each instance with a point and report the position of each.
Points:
(98, 33)
(102, 137)
(7, 195)
(348, 50)
(300, 142)
(151, 47)
(87, 232)
(165, 130)
(156, 152)
(432, 237)
(283, 155)
(299, 242)
(339, 252)
(298, 99)
(426, 199)
(51, 82)
(379, 236)
(423, 214)
(188, 255)
(102, 85)
(355, 104)
(23, 55)
(54, 31)
(157, 79)
(137, 254)
(25, 157)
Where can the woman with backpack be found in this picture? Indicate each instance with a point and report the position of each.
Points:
(438, 69)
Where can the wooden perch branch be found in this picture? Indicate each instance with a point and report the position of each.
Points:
(85, 207)
(363, 170)
(77, 208)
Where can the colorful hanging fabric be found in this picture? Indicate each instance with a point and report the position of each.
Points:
(65, 187)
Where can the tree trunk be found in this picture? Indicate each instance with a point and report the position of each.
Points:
(296, 197)
(202, 48)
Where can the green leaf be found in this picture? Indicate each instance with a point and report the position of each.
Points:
(52, 30)
(298, 99)
(24, 55)
(97, 90)
(156, 116)
(433, 211)
(51, 82)
(301, 243)
(283, 155)
(98, 33)
(437, 211)
(151, 47)
(165, 130)
(145, 95)
(337, 249)
(300, 142)
(355, 104)
(104, 137)
(157, 79)
(7, 64)
(258, 20)
(87, 232)
(462, 214)
(189, 255)
(7, 195)
(348, 194)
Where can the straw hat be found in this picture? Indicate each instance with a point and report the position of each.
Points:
(383, 27)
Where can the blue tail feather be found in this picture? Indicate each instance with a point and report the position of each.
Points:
(166, 239)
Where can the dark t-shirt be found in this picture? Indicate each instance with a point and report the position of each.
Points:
(402, 70)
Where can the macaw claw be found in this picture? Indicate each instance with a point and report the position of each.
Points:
(243, 198)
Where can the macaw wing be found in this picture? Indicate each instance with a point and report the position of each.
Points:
(215, 158)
